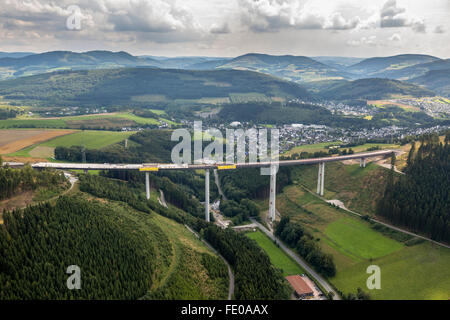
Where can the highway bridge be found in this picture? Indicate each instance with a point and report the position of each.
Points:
(154, 167)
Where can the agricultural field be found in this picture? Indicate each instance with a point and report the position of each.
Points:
(384, 103)
(108, 121)
(410, 268)
(91, 139)
(15, 140)
(311, 148)
(248, 97)
(277, 256)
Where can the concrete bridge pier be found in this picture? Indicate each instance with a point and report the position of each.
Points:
(362, 162)
(273, 191)
(207, 195)
(147, 185)
(319, 178)
(323, 178)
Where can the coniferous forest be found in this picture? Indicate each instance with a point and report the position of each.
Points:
(39, 243)
(255, 277)
(13, 181)
(420, 200)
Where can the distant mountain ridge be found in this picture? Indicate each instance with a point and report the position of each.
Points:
(14, 54)
(317, 74)
(294, 68)
(388, 67)
(58, 60)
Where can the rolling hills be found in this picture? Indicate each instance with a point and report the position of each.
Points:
(436, 80)
(60, 60)
(294, 68)
(387, 67)
(143, 86)
(373, 88)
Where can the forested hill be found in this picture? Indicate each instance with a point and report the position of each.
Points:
(373, 89)
(420, 199)
(141, 86)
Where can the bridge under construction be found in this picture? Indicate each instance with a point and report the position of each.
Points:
(155, 167)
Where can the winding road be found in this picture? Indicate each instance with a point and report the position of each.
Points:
(230, 271)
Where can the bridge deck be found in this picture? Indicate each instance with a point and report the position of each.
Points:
(167, 166)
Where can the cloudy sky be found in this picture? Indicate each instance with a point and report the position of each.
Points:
(358, 28)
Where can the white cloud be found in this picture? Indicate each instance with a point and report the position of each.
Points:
(393, 16)
(220, 29)
(274, 15)
(217, 27)
(395, 37)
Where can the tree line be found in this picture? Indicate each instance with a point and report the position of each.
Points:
(13, 181)
(419, 200)
(305, 244)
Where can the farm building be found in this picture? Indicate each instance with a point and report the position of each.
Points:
(302, 289)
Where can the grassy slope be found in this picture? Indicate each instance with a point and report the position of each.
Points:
(179, 272)
(358, 188)
(91, 139)
(278, 258)
(116, 120)
(417, 272)
(322, 147)
(353, 236)
(408, 272)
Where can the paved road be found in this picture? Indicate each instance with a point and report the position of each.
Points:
(217, 180)
(299, 260)
(230, 271)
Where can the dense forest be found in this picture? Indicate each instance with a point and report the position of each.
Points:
(255, 277)
(419, 200)
(297, 237)
(39, 243)
(239, 212)
(141, 86)
(14, 181)
(7, 113)
(244, 255)
(249, 183)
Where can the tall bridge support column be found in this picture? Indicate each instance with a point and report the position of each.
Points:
(362, 162)
(319, 178)
(207, 195)
(273, 191)
(323, 178)
(147, 185)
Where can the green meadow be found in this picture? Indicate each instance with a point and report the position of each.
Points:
(277, 256)
(410, 268)
(356, 239)
(115, 120)
(91, 139)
